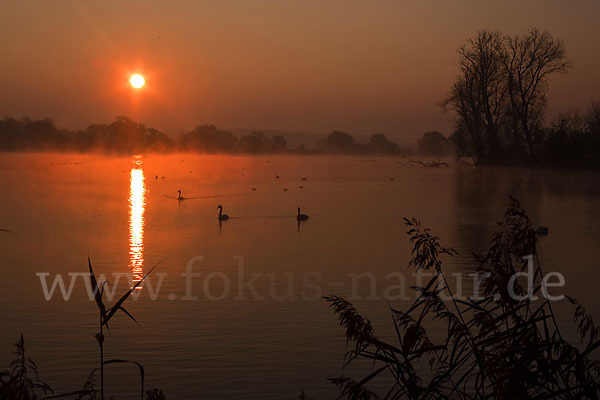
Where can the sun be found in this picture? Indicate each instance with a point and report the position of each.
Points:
(137, 81)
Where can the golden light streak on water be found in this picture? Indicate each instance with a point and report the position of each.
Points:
(137, 206)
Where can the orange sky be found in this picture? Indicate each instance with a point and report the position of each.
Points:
(353, 65)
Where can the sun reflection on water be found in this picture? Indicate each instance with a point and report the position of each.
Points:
(137, 206)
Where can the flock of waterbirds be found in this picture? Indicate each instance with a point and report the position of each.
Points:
(225, 217)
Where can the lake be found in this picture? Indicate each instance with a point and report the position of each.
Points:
(250, 323)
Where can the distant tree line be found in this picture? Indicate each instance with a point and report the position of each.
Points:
(209, 139)
(500, 100)
(124, 136)
(434, 143)
(343, 143)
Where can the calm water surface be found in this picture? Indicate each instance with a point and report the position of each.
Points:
(271, 338)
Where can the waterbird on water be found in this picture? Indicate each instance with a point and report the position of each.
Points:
(222, 217)
(542, 230)
(179, 196)
(301, 217)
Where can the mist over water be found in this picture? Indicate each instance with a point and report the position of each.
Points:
(123, 212)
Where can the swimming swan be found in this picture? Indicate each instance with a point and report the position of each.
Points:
(222, 217)
(301, 217)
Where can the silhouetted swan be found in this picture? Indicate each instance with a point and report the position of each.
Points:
(301, 217)
(222, 217)
(179, 196)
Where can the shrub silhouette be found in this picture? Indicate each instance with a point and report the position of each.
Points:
(494, 346)
(21, 381)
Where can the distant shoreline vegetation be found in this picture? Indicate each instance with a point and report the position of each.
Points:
(573, 140)
(125, 136)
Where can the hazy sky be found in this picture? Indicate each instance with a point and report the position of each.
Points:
(354, 65)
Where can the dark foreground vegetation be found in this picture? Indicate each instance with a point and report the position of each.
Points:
(125, 136)
(22, 381)
(500, 99)
(494, 347)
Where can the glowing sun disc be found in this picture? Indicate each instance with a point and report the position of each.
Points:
(137, 81)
